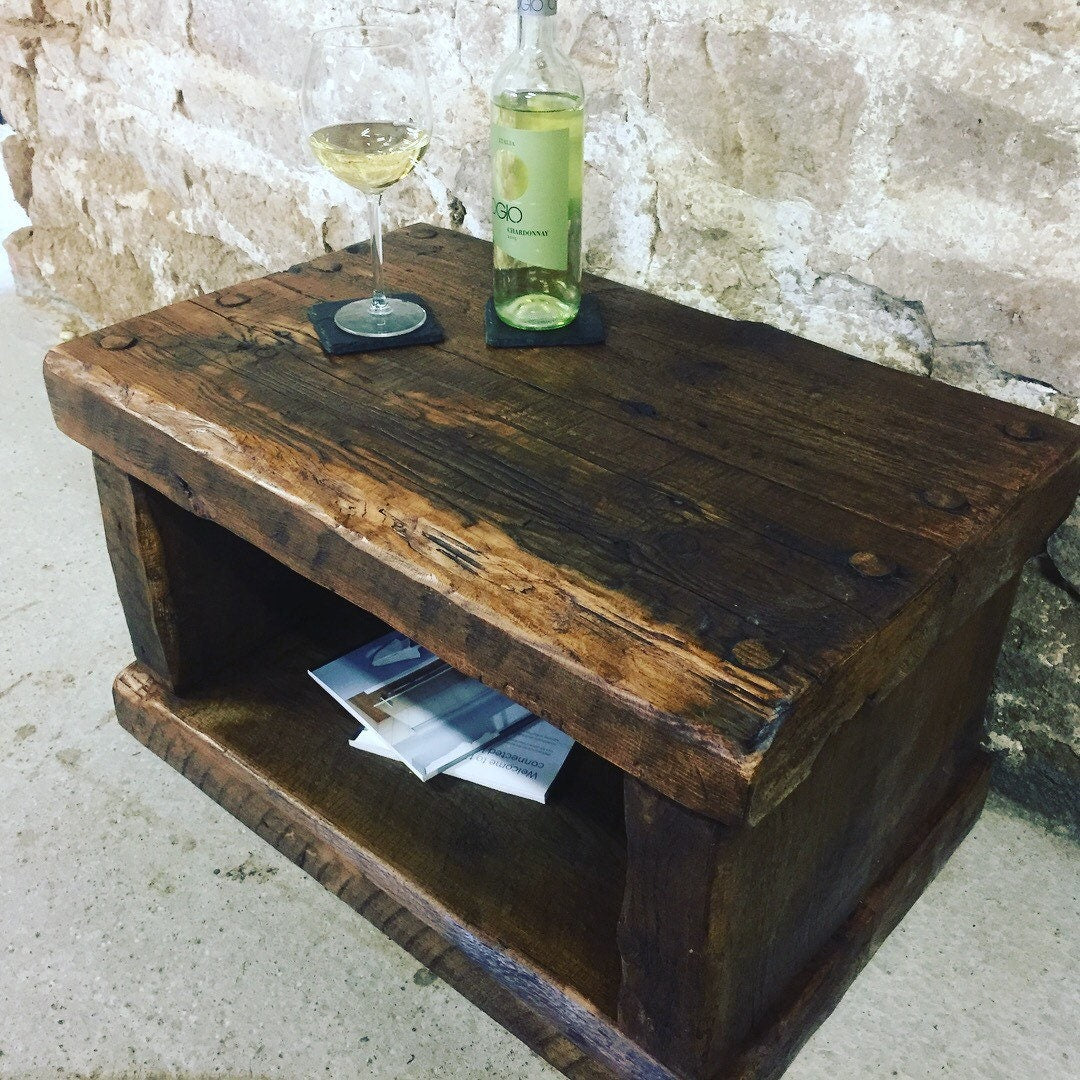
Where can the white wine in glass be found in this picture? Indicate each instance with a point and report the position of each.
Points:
(367, 110)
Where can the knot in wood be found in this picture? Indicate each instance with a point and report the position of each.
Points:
(870, 565)
(754, 654)
(235, 299)
(116, 342)
(327, 267)
(1023, 430)
(943, 498)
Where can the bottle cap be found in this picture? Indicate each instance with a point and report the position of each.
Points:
(537, 7)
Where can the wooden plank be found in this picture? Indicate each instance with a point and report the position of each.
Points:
(819, 989)
(137, 555)
(329, 554)
(639, 548)
(766, 402)
(720, 921)
(264, 813)
(508, 414)
(167, 563)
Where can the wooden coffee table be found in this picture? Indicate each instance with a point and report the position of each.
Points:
(762, 583)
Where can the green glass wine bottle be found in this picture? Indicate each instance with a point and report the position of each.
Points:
(537, 133)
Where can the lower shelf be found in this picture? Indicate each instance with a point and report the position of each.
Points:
(542, 883)
(513, 904)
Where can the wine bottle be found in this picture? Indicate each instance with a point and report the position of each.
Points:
(536, 172)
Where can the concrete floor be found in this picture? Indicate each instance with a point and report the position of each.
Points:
(145, 933)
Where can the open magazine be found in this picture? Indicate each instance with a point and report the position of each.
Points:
(419, 710)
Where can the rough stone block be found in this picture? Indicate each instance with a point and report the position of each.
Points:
(967, 364)
(71, 12)
(762, 130)
(18, 160)
(19, 98)
(17, 10)
(1026, 322)
(1034, 716)
(983, 151)
(1064, 549)
(24, 267)
(269, 114)
(164, 25)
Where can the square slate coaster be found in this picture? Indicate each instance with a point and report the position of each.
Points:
(587, 329)
(336, 342)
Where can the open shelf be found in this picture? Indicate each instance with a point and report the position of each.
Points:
(544, 883)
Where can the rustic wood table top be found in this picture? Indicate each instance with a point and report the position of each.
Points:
(698, 548)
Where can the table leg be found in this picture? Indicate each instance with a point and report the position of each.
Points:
(737, 941)
(194, 595)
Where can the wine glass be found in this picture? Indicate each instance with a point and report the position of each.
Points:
(367, 111)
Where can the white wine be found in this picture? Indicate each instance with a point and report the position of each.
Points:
(536, 178)
(369, 157)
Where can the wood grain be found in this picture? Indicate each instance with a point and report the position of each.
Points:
(195, 597)
(720, 922)
(528, 894)
(278, 823)
(594, 531)
(554, 900)
(582, 1042)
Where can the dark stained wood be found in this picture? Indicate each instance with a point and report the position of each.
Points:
(276, 821)
(527, 893)
(168, 562)
(553, 874)
(136, 552)
(721, 922)
(762, 583)
(767, 1054)
(599, 552)
(310, 834)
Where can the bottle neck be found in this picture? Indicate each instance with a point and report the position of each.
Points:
(535, 32)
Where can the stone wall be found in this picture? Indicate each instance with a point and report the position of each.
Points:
(896, 178)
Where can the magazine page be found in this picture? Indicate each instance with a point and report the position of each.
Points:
(436, 720)
(431, 715)
(523, 762)
(373, 666)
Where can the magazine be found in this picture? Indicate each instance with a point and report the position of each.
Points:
(422, 711)
(523, 762)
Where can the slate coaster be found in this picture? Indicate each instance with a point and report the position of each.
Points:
(587, 329)
(336, 342)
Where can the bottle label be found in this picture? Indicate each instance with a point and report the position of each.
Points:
(537, 7)
(531, 194)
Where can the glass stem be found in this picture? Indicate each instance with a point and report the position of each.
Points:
(378, 297)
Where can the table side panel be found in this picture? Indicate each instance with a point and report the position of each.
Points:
(196, 598)
(719, 921)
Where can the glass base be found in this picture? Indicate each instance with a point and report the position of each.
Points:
(396, 317)
(536, 311)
